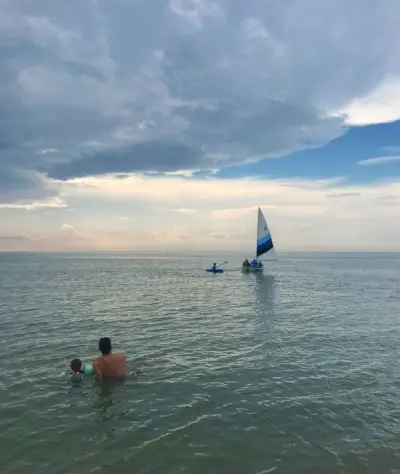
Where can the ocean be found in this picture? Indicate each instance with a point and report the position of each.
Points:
(293, 371)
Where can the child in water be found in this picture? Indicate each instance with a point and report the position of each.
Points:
(78, 367)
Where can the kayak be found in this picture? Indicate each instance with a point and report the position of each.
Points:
(215, 270)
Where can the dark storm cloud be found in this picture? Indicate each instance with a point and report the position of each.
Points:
(106, 86)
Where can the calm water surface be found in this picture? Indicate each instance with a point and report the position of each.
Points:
(293, 371)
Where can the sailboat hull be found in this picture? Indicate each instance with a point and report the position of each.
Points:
(252, 270)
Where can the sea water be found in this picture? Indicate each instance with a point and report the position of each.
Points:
(292, 371)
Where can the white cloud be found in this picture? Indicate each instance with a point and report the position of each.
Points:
(380, 105)
(379, 160)
(234, 213)
(301, 214)
(195, 12)
(47, 150)
(178, 190)
(67, 227)
(36, 205)
(187, 173)
(185, 211)
(220, 236)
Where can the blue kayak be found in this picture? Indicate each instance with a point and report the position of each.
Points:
(215, 270)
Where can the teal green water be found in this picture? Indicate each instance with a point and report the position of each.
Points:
(293, 371)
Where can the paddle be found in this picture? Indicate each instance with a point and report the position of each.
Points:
(223, 263)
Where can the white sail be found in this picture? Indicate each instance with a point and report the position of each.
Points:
(264, 238)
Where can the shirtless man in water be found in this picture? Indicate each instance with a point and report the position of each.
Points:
(109, 365)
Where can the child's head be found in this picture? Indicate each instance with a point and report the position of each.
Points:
(76, 365)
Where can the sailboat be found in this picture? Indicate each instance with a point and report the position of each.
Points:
(264, 245)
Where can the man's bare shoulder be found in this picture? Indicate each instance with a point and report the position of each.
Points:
(117, 356)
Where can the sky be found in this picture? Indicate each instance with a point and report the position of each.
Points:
(165, 124)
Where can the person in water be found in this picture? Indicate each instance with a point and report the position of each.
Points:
(109, 365)
(77, 367)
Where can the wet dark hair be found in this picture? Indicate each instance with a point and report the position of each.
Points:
(105, 345)
(76, 365)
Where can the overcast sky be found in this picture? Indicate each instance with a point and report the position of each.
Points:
(159, 124)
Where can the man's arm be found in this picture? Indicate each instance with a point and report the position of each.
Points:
(97, 370)
(123, 363)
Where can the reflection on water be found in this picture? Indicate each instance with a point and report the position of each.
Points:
(265, 287)
(104, 401)
(110, 395)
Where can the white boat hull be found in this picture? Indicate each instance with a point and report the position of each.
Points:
(252, 270)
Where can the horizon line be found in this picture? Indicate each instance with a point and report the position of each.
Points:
(186, 252)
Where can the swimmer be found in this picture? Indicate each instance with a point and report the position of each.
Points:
(78, 367)
(109, 365)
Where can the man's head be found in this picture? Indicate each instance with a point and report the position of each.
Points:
(76, 365)
(105, 345)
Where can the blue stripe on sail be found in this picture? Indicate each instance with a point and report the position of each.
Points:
(264, 246)
(264, 239)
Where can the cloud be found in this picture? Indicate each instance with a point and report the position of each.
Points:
(185, 211)
(302, 214)
(232, 213)
(380, 160)
(391, 149)
(187, 173)
(388, 198)
(219, 236)
(67, 227)
(175, 190)
(66, 237)
(13, 242)
(202, 85)
(19, 186)
(36, 205)
(381, 105)
(16, 238)
(341, 195)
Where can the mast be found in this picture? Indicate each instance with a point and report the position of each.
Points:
(258, 221)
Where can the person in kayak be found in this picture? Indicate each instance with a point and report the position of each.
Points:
(254, 263)
(214, 267)
(246, 263)
(109, 365)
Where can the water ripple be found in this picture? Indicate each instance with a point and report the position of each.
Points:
(294, 371)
